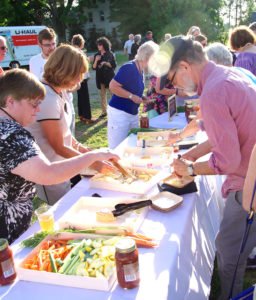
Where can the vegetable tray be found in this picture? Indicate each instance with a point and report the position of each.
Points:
(78, 281)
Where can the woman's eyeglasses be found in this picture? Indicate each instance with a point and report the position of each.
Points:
(4, 48)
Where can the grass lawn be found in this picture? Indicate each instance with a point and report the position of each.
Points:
(95, 136)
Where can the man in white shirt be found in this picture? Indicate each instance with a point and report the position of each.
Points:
(128, 46)
(47, 43)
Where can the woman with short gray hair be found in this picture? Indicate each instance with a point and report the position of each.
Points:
(127, 87)
(220, 54)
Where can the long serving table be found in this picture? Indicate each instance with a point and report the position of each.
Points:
(180, 268)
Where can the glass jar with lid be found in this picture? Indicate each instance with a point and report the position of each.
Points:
(127, 263)
(144, 121)
(7, 269)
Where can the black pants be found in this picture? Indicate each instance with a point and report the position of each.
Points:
(83, 101)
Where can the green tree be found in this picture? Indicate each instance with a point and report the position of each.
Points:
(133, 15)
(17, 13)
(62, 15)
(162, 16)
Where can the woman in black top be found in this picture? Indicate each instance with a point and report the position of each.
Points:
(83, 97)
(104, 63)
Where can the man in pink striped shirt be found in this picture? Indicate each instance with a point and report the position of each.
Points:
(228, 107)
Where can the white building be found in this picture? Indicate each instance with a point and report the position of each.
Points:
(99, 22)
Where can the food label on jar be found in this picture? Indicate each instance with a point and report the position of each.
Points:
(8, 268)
(131, 272)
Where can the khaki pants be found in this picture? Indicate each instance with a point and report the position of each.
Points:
(103, 96)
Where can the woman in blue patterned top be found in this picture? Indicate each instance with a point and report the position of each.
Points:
(21, 162)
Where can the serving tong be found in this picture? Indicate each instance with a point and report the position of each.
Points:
(170, 202)
(124, 173)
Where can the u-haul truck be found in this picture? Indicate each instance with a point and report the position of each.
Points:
(22, 44)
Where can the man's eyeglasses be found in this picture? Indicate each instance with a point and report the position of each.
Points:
(173, 77)
(49, 45)
(4, 48)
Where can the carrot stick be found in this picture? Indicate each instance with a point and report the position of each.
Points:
(144, 243)
(138, 235)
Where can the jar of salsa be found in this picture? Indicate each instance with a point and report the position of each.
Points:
(144, 121)
(127, 263)
(7, 270)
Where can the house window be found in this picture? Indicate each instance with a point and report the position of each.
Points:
(102, 15)
(90, 18)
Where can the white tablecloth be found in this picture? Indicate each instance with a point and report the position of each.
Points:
(162, 121)
(180, 268)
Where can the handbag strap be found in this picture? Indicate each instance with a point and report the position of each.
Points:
(249, 220)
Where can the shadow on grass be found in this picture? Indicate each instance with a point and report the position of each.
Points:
(85, 132)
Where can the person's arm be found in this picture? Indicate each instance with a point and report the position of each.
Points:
(52, 130)
(117, 89)
(189, 130)
(250, 180)
(111, 63)
(125, 48)
(97, 58)
(165, 91)
(199, 168)
(39, 170)
(189, 158)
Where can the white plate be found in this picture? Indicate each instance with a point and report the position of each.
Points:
(137, 187)
(82, 215)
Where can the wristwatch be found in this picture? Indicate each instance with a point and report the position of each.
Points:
(191, 170)
(130, 96)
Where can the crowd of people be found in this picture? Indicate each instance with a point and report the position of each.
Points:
(39, 151)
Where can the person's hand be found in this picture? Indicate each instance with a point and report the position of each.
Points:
(98, 57)
(104, 167)
(180, 167)
(136, 99)
(188, 156)
(105, 154)
(83, 149)
(173, 138)
(146, 100)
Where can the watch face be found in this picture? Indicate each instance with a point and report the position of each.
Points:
(190, 170)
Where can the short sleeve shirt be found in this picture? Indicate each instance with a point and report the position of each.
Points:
(53, 107)
(16, 194)
(132, 81)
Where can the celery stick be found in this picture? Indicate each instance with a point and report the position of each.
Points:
(68, 259)
(53, 263)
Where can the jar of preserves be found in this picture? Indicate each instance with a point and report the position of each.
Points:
(188, 110)
(144, 121)
(127, 263)
(7, 270)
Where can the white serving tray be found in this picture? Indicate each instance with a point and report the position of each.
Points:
(84, 282)
(158, 138)
(150, 157)
(137, 187)
(82, 215)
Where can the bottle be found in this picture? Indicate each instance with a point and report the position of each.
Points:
(127, 263)
(7, 269)
(144, 121)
